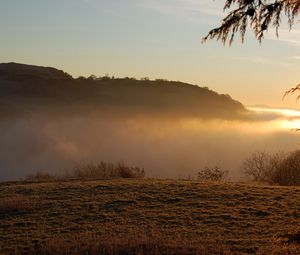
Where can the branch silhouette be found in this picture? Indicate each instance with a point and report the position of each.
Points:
(259, 15)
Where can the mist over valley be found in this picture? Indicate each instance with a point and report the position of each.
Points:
(50, 122)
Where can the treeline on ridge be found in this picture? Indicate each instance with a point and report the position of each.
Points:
(49, 88)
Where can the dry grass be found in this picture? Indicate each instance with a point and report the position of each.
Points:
(15, 204)
(134, 243)
(281, 249)
(244, 217)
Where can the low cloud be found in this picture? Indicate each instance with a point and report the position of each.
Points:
(166, 148)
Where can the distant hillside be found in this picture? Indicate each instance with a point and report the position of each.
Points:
(28, 89)
(20, 72)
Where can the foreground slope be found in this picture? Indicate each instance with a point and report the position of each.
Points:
(27, 89)
(244, 217)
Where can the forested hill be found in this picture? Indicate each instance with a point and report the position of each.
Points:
(27, 88)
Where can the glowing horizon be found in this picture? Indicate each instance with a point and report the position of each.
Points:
(282, 111)
(289, 119)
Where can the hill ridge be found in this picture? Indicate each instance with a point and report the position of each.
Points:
(49, 87)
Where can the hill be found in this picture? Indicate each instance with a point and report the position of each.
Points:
(237, 218)
(30, 89)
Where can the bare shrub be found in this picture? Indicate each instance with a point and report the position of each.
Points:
(212, 174)
(288, 171)
(277, 168)
(105, 170)
(129, 172)
(260, 166)
(102, 170)
(40, 176)
(16, 204)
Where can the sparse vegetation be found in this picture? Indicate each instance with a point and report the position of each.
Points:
(212, 174)
(276, 168)
(261, 166)
(288, 170)
(106, 170)
(41, 176)
(102, 170)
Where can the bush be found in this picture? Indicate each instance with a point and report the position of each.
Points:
(288, 171)
(104, 170)
(260, 166)
(277, 168)
(212, 174)
(40, 176)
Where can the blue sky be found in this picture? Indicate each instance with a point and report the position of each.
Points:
(150, 38)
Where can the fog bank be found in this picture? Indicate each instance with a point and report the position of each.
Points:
(166, 148)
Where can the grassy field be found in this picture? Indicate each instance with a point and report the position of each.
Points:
(242, 218)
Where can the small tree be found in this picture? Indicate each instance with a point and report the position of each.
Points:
(92, 77)
(212, 174)
(261, 166)
(257, 166)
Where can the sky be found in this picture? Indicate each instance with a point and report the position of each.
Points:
(150, 38)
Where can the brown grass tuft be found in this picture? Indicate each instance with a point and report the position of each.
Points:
(284, 244)
(16, 204)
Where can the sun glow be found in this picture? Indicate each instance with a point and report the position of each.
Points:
(284, 112)
(283, 119)
(292, 125)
